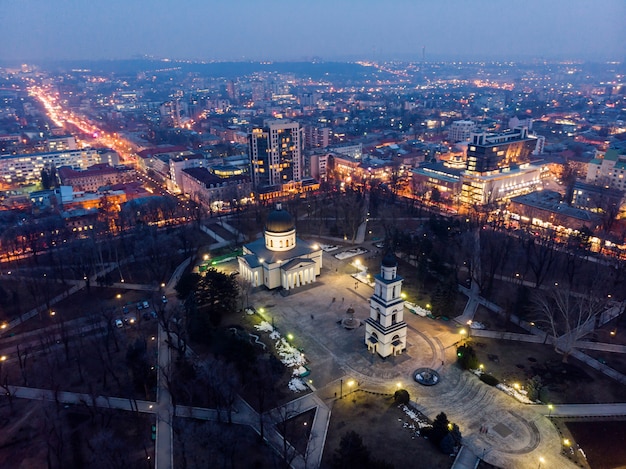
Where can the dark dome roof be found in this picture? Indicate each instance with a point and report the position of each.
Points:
(279, 221)
(390, 259)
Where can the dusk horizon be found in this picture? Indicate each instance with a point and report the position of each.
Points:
(344, 30)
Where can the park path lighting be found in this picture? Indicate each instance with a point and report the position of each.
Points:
(550, 407)
(350, 384)
(206, 257)
(566, 442)
(541, 461)
(357, 265)
(398, 385)
(290, 337)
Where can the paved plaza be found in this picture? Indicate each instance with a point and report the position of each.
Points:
(517, 434)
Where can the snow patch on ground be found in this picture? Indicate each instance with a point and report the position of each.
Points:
(289, 355)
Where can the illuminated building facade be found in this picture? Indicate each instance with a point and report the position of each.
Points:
(385, 329)
(26, 168)
(499, 166)
(280, 259)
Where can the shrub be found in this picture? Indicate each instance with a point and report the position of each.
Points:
(401, 396)
(489, 379)
(467, 357)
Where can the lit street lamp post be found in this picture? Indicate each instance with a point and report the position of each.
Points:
(341, 388)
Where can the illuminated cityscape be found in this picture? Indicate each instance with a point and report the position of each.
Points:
(454, 296)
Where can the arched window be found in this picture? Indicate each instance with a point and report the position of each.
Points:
(280, 245)
(271, 243)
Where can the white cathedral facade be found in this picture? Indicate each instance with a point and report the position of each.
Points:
(280, 259)
(385, 329)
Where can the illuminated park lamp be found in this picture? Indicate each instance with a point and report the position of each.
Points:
(398, 385)
(290, 337)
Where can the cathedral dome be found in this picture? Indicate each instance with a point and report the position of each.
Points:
(279, 221)
(390, 259)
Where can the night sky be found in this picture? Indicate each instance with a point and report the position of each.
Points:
(302, 30)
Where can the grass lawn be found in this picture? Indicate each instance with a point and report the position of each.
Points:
(374, 417)
(600, 442)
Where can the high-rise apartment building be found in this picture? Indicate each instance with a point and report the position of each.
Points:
(461, 131)
(276, 156)
(316, 136)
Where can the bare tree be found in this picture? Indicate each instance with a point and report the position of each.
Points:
(569, 317)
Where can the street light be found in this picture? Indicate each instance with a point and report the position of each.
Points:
(541, 461)
(550, 407)
(357, 264)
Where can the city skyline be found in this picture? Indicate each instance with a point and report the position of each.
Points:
(344, 30)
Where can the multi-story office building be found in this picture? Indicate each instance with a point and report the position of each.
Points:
(276, 156)
(461, 131)
(499, 166)
(15, 169)
(96, 176)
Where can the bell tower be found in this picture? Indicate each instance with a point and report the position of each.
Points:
(385, 329)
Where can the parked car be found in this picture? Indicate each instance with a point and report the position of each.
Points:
(139, 305)
(153, 314)
(119, 323)
(125, 309)
(145, 304)
(164, 299)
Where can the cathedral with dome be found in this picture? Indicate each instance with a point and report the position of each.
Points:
(280, 259)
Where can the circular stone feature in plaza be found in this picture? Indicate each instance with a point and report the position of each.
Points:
(349, 322)
(426, 376)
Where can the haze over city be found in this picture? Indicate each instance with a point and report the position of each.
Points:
(330, 30)
(312, 235)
